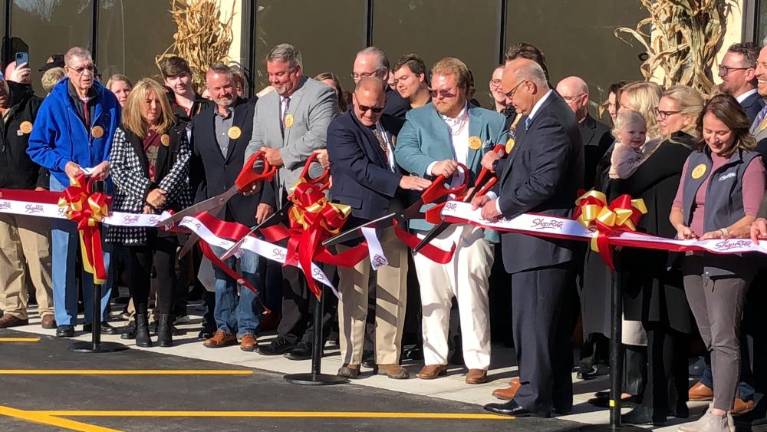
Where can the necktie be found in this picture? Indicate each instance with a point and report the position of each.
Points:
(382, 143)
(285, 105)
(528, 120)
(759, 122)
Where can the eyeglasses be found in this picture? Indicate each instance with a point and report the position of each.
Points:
(662, 115)
(375, 110)
(81, 69)
(510, 93)
(358, 76)
(445, 94)
(573, 98)
(495, 83)
(724, 70)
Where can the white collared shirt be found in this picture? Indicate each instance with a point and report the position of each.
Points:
(459, 138)
(745, 96)
(538, 104)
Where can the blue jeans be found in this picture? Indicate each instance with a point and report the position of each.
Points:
(65, 245)
(745, 390)
(237, 308)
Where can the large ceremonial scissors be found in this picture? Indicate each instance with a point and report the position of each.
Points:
(322, 182)
(482, 185)
(437, 190)
(256, 169)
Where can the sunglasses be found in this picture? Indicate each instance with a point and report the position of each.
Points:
(364, 108)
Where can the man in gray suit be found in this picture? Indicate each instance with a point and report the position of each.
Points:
(289, 124)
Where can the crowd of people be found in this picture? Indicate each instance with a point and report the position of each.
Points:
(160, 144)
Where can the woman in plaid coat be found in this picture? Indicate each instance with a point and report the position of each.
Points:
(150, 167)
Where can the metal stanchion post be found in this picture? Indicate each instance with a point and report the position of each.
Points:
(616, 349)
(95, 345)
(316, 377)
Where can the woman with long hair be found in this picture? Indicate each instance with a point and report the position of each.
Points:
(150, 165)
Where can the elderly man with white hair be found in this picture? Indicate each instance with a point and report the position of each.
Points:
(73, 135)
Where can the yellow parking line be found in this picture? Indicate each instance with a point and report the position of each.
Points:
(51, 420)
(280, 414)
(123, 372)
(19, 339)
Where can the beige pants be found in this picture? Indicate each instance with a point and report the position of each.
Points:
(391, 299)
(24, 245)
(466, 279)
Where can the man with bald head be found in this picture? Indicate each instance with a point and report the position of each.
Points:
(365, 177)
(596, 135)
(542, 175)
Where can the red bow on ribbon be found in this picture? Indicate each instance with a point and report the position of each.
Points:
(312, 220)
(87, 209)
(622, 214)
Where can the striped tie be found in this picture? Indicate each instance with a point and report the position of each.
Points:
(760, 122)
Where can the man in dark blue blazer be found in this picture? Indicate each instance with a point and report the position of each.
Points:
(220, 135)
(542, 174)
(365, 177)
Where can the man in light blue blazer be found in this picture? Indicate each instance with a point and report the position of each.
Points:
(434, 139)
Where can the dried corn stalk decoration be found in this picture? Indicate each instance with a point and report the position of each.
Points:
(203, 37)
(681, 38)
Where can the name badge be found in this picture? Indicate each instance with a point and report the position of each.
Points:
(97, 132)
(24, 128)
(289, 120)
(165, 140)
(475, 143)
(699, 171)
(234, 132)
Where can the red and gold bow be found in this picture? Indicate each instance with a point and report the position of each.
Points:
(87, 209)
(622, 214)
(312, 220)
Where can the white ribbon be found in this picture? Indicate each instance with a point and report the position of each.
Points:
(542, 225)
(56, 212)
(376, 253)
(252, 244)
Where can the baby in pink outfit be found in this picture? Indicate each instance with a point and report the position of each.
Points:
(631, 148)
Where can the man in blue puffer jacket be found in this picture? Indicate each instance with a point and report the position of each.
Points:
(73, 134)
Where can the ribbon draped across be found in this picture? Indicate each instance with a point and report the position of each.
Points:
(87, 209)
(622, 214)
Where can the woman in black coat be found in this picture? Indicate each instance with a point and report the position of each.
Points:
(651, 280)
(150, 166)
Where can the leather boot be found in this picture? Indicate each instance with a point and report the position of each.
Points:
(142, 330)
(164, 331)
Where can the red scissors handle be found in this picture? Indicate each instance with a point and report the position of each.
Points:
(437, 189)
(251, 173)
(322, 180)
(499, 149)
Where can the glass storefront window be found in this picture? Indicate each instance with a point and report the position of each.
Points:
(50, 27)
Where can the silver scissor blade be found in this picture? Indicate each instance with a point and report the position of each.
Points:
(356, 232)
(213, 203)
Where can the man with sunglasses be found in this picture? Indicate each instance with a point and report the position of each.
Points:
(73, 135)
(365, 177)
(434, 139)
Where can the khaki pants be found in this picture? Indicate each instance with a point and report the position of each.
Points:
(24, 245)
(391, 300)
(466, 279)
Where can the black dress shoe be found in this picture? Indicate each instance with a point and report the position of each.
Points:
(276, 347)
(512, 408)
(128, 332)
(302, 351)
(106, 328)
(602, 400)
(205, 334)
(65, 331)
(642, 416)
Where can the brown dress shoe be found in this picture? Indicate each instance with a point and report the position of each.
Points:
(742, 407)
(510, 392)
(476, 376)
(248, 343)
(432, 371)
(700, 392)
(349, 371)
(48, 322)
(220, 339)
(11, 321)
(393, 371)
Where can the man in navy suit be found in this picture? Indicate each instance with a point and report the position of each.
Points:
(365, 177)
(738, 74)
(542, 174)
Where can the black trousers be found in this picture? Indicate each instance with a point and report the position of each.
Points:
(160, 253)
(295, 305)
(666, 389)
(542, 321)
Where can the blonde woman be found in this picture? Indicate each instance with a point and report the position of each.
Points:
(642, 97)
(150, 164)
